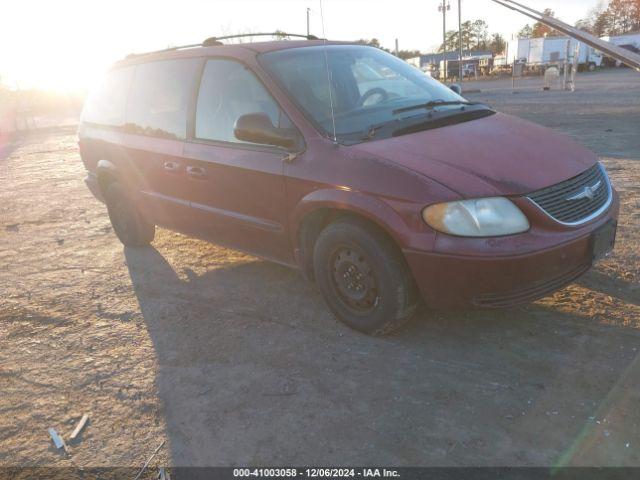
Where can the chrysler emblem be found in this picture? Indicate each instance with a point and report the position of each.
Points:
(587, 192)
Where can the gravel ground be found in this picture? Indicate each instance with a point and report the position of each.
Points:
(603, 113)
(235, 361)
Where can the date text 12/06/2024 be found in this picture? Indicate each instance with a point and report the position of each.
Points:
(316, 472)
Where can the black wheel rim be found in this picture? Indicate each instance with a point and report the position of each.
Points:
(354, 280)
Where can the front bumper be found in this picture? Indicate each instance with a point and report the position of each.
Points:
(500, 276)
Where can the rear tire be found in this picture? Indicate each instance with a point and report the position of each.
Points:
(127, 222)
(363, 277)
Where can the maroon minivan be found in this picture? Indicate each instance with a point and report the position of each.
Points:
(380, 183)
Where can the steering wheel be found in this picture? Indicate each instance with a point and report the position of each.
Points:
(374, 91)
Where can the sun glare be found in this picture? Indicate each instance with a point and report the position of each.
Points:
(59, 49)
(65, 45)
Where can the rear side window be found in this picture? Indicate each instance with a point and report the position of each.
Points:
(106, 103)
(159, 98)
(229, 90)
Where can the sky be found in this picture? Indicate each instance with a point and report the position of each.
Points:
(65, 45)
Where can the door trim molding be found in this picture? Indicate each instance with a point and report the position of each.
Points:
(251, 221)
(167, 198)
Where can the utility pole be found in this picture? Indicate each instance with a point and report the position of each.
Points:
(308, 10)
(443, 7)
(460, 37)
(397, 47)
(461, 77)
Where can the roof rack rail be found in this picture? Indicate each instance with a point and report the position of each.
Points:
(170, 49)
(213, 41)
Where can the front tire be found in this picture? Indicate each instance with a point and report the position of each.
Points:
(127, 222)
(363, 277)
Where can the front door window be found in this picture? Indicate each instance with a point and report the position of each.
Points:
(229, 90)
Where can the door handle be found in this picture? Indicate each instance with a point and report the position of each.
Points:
(171, 166)
(196, 172)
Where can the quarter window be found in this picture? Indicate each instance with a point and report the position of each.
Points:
(229, 90)
(159, 98)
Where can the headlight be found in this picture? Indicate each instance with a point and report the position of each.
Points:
(483, 217)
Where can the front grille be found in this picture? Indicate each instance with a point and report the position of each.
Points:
(578, 199)
(532, 292)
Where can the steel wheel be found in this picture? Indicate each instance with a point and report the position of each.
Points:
(363, 277)
(353, 280)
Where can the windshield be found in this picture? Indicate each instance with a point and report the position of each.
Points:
(369, 87)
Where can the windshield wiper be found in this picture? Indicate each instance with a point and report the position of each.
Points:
(373, 129)
(453, 119)
(432, 104)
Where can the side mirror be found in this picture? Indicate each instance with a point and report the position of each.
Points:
(258, 128)
(456, 88)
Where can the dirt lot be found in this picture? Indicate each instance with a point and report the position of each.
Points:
(236, 361)
(603, 113)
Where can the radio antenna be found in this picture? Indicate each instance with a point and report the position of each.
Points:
(326, 62)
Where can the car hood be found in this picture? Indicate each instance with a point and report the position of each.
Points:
(495, 155)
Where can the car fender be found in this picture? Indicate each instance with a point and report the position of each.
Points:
(350, 201)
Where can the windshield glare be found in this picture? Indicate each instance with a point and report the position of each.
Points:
(367, 85)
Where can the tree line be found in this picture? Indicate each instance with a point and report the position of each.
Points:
(609, 17)
(613, 17)
(616, 17)
(475, 36)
